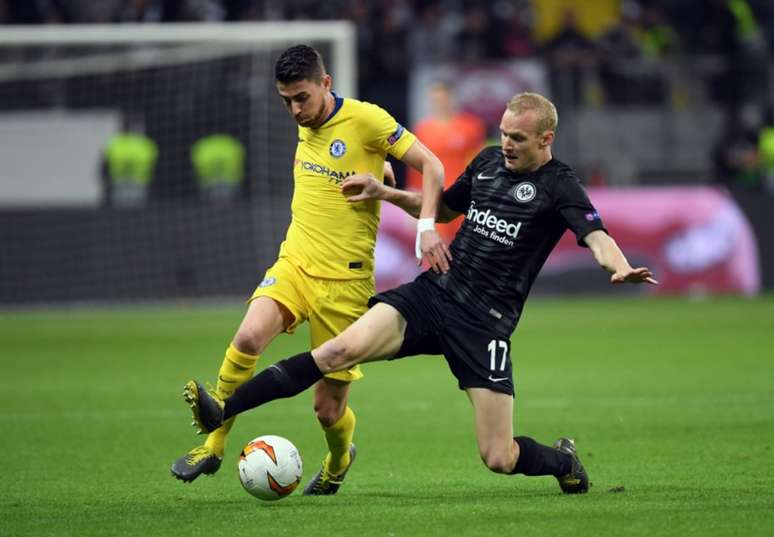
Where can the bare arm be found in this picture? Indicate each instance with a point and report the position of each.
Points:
(424, 206)
(612, 259)
(411, 202)
(425, 162)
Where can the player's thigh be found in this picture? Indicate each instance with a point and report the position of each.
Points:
(335, 306)
(478, 355)
(264, 320)
(377, 335)
(494, 420)
(276, 305)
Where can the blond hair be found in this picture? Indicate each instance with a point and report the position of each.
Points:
(548, 119)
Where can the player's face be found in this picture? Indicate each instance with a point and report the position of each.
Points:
(307, 100)
(524, 148)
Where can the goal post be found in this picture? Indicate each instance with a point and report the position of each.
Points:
(148, 161)
(259, 35)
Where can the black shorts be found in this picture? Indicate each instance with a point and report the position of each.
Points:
(437, 324)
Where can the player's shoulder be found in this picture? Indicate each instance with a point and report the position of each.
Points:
(364, 109)
(557, 171)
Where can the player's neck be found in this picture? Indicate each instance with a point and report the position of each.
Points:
(330, 104)
(542, 162)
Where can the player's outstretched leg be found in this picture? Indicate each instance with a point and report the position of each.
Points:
(207, 408)
(325, 483)
(577, 480)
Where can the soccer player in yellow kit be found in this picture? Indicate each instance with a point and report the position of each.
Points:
(325, 270)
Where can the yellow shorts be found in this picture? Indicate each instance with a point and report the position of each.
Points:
(330, 306)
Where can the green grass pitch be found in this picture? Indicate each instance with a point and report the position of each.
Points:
(671, 403)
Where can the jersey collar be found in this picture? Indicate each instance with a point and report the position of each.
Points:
(337, 103)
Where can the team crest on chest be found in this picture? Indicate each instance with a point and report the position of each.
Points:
(524, 192)
(338, 148)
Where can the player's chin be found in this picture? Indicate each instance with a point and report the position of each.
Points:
(512, 163)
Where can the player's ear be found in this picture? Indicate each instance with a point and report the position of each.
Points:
(547, 138)
(327, 82)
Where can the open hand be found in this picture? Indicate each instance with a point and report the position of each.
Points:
(434, 251)
(361, 187)
(635, 275)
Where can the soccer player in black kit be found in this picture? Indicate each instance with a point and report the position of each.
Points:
(517, 201)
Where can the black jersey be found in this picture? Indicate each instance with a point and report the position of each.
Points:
(512, 222)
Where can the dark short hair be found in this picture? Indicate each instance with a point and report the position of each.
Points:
(299, 62)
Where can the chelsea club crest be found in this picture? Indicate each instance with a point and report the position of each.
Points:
(338, 148)
(267, 282)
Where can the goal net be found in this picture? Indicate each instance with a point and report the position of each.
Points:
(147, 161)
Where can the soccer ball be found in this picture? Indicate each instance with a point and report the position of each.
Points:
(270, 467)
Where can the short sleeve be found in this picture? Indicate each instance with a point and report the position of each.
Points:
(380, 132)
(576, 210)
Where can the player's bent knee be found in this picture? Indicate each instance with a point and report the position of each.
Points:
(250, 341)
(500, 463)
(337, 354)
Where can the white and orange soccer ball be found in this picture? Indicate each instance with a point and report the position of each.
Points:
(270, 467)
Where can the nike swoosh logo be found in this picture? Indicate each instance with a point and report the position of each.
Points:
(482, 177)
(225, 381)
(493, 379)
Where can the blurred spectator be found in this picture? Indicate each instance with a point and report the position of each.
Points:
(360, 14)
(766, 151)
(628, 76)
(455, 137)
(518, 40)
(219, 163)
(432, 36)
(388, 81)
(657, 38)
(481, 36)
(572, 58)
(735, 153)
(130, 160)
(748, 70)
(706, 26)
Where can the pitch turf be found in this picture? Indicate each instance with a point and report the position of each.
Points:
(671, 403)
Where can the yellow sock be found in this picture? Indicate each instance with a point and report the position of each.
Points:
(236, 369)
(339, 437)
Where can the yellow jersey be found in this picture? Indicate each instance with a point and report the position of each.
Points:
(328, 236)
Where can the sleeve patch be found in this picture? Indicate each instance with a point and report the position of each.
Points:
(395, 136)
(592, 216)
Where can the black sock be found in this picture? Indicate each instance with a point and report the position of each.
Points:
(537, 459)
(286, 378)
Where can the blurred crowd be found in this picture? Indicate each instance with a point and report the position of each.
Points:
(630, 59)
(625, 53)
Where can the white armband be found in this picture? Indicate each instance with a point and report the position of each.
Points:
(424, 224)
